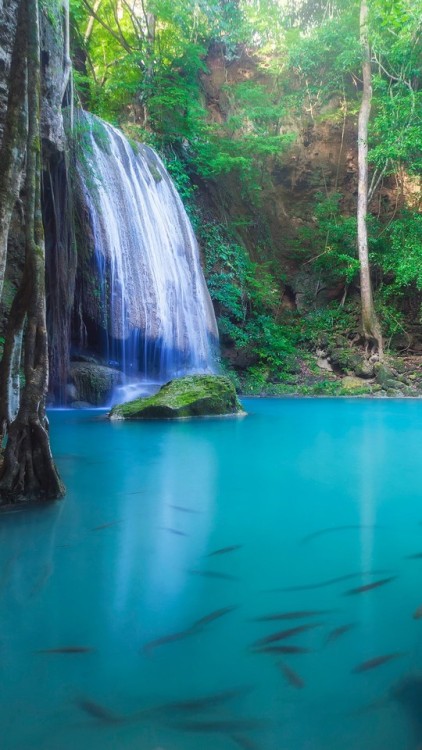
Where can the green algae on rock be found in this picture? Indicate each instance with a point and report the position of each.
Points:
(191, 396)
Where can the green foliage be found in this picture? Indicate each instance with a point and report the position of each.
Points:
(246, 297)
(284, 63)
(391, 318)
(396, 127)
(324, 325)
(177, 169)
(244, 142)
(400, 254)
(328, 56)
(329, 245)
(127, 66)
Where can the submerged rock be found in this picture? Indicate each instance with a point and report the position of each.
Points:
(80, 405)
(192, 396)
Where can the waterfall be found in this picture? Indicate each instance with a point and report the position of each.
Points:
(158, 315)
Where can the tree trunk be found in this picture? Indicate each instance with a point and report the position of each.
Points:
(370, 323)
(13, 341)
(28, 471)
(14, 137)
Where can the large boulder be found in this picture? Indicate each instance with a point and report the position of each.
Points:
(192, 396)
(93, 383)
(387, 378)
(351, 362)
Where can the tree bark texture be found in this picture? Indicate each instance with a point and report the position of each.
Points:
(14, 136)
(28, 471)
(370, 323)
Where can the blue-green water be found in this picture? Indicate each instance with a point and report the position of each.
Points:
(104, 570)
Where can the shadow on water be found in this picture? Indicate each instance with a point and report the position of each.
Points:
(408, 694)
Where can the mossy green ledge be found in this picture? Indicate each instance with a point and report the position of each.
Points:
(191, 396)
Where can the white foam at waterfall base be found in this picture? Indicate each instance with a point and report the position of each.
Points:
(132, 390)
(159, 317)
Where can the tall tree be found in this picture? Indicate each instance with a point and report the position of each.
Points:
(370, 323)
(14, 137)
(28, 470)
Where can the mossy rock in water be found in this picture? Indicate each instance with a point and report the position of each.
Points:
(192, 396)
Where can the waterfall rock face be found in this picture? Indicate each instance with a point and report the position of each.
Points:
(156, 312)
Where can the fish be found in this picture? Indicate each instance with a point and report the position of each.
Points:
(172, 638)
(282, 634)
(215, 615)
(333, 529)
(66, 650)
(291, 676)
(97, 711)
(197, 705)
(213, 574)
(416, 556)
(223, 726)
(197, 625)
(341, 630)
(225, 550)
(173, 531)
(417, 615)
(377, 661)
(331, 581)
(105, 525)
(369, 586)
(282, 650)
(183, 510)
(294, 615)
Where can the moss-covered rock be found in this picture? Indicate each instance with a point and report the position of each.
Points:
(349, 361)
(386, 378)
(192, 396)
(351, 384)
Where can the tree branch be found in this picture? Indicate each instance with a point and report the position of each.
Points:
(114, 34)
(90, 25)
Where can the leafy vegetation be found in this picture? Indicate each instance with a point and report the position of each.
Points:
(227, 90)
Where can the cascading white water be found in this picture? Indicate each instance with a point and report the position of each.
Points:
(159, 317)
